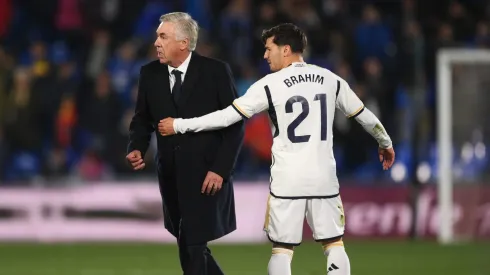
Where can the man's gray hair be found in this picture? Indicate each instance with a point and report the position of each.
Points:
(185, 27)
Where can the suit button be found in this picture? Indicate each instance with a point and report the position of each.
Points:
(177, 147)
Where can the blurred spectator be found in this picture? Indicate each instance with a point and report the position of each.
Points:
(100, 118)
(69, 22)
(377, 86)
(123, 70)
(22, 129)
(482, 37)
(5, 75)
(412, 55)
(444, 39)
(91, 167)
(57, 164)
(303, 14)
(3, 98)
(236, 30)
(372, 36)
(408, 10)
(339, 49)
(199, 10)
(146, 23)
(66, 118)
(68, 71)
(268, 16)
(206, 48)
(99, 53)
(460, 22)
(101, 13)
(335, 14)
(248, 77)
(6, 14)
(412, 112)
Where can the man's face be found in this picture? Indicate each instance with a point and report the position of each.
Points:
(166, 44)
(273, 55)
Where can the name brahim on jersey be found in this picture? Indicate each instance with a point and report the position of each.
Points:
(292, 80)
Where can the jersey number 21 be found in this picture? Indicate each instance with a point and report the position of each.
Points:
(305, 110)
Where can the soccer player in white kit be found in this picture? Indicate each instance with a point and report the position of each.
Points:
(301, 100)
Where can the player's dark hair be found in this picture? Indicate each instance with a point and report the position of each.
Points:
(286, 34)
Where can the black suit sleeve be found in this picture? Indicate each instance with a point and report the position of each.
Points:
(141, 127)
(233, 135)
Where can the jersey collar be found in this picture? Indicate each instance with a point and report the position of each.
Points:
(297, 64)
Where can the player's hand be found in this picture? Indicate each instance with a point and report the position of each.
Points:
(135, 160)
(212, 183)
(386, 157)
(166, 126)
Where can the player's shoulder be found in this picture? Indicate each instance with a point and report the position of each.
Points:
(328, 73)
(322, 70)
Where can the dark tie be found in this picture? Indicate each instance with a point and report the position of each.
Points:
(177, 86)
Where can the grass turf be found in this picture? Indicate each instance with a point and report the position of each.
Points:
(367, 257)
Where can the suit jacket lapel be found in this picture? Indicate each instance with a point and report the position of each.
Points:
(190, 79)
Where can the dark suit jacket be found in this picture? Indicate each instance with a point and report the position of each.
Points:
(184, 160)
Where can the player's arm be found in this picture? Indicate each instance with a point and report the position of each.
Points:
(350, 104)
(213, 121)
(252, 102)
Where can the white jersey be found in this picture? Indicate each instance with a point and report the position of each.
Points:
(301, 100)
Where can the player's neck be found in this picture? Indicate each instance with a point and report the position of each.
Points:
(292, 59)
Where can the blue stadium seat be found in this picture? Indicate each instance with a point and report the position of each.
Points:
(23, 166)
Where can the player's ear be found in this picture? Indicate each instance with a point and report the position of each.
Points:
(184, 44)
(286, 50)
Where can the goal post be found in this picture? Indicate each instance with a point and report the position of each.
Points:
(446, 58)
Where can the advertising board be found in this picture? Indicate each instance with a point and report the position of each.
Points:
(133, 212)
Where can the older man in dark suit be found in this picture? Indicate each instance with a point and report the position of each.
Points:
(194, 170)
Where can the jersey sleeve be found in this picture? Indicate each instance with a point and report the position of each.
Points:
(253, 101)
(347, 101)
(212, 121)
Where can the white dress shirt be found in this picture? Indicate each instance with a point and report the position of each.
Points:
(182, 68)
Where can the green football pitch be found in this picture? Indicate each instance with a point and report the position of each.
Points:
(367, 257)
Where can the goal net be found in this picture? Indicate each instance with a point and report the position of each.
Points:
(463, 140)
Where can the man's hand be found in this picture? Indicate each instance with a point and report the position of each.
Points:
(135, 159)
(212, 183)
(166, 126)
(386, 157)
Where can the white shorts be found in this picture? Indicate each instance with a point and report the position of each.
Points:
(284, 219)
